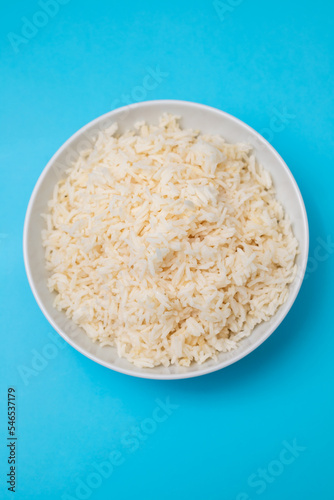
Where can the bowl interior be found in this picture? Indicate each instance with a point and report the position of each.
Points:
(208, 120)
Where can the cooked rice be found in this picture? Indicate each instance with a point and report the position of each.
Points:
(168, 244)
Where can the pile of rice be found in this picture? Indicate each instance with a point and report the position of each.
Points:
(168, 244)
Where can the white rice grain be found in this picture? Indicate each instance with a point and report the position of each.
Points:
(168, 244)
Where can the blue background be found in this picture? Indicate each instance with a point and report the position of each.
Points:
(251, 58)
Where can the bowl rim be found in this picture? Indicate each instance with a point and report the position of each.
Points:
(136, 372)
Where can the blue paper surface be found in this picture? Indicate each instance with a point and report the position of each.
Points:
(262, 428)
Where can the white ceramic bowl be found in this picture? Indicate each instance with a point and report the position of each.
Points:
(208, 120)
